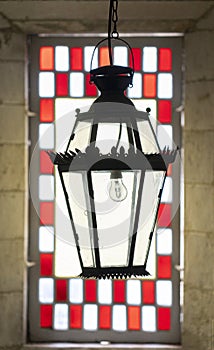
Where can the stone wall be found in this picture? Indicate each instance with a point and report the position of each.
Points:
(198, 147)
(198, 330)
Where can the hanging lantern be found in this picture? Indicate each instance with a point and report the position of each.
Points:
(112, 175)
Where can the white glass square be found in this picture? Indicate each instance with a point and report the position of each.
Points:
(88, 51)
(61, 58)
(46, 290)
(76, 290)
(148, 319)
(90, 317)
(167, 191)
(46, 187)
(164, 293)
(46, 84)
(46, 239)
(120, 55)
(164, 241)
(150, 59)
(61, 316)
(119, 318)
(76, 84)
(46, 136)
(165, 85)
(136, 90)
(105, 291)
(133, 292)
(165, 137)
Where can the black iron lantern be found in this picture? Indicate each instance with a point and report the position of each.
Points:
(116, 176)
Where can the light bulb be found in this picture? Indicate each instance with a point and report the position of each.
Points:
(117, 191)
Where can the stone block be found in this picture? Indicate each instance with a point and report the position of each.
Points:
(12, 215)
(12, 46)
(12, 82)
(12, 124)
(11, 319)
(12, 160)
(198, 157)
(198, 317)
(207, 21)
(199, 208)
(199, 106)
(199, 248)
(199, 56)
(12, 265)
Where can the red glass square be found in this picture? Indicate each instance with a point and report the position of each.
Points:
(104, 56)
(46, 166)
(165, 59)
(46, 313)
(164, 318)
(76, 58)
(46, 264)
(105, 317)
(164, 215)
(61, 290)
(169, 170)
(90, 290)
(137, 59)
(119, 291)
(148, 292)
(46, 58)
(164, 267)
(76, 316)
(134, 318)
(46, 213)
(46, 110)
(62, 84)
(164, 111)
(149, 85)
(90, 89)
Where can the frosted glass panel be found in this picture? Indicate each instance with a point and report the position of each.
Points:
(164, 293)
(136, 90)
(119, 318)
(90, 317)
(76, 290)
(61, 58)
(164, 136)
(105, 291)
(76, 84)
(167, 191)
(148, 319)
(120, 56)
(165, 87)
(46, 239)
(46, 136)
(46, 84)
(149, 59)
(88, 50)
(143, 104)
(164, 241)
(133, 292)
(61, 316)
(46, 187)
(46, 290)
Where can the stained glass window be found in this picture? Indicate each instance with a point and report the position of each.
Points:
(138, 310)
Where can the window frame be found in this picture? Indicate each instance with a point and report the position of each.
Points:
(35, 333)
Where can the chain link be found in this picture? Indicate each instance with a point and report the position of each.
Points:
(115, 33)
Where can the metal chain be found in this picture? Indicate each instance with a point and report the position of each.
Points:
(115, 33)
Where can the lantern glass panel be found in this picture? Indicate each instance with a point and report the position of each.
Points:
(115, 218)
(153, 183)
(82, 134)
(147, 137)
(111, 135)
(76, 187)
